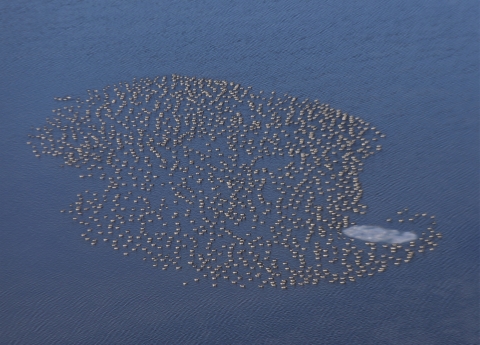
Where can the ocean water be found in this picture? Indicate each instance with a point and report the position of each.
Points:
(410, 69)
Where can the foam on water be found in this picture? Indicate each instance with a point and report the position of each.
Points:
(371, 233)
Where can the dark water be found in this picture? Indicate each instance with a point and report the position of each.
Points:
(410, 69)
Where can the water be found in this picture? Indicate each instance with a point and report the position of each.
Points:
(412, 72)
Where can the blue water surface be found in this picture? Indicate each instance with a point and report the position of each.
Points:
(410, 68)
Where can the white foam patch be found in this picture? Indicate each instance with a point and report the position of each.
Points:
(371, 233)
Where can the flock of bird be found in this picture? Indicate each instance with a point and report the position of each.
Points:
(243, 188)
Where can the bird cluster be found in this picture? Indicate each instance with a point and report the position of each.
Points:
(241, 187)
